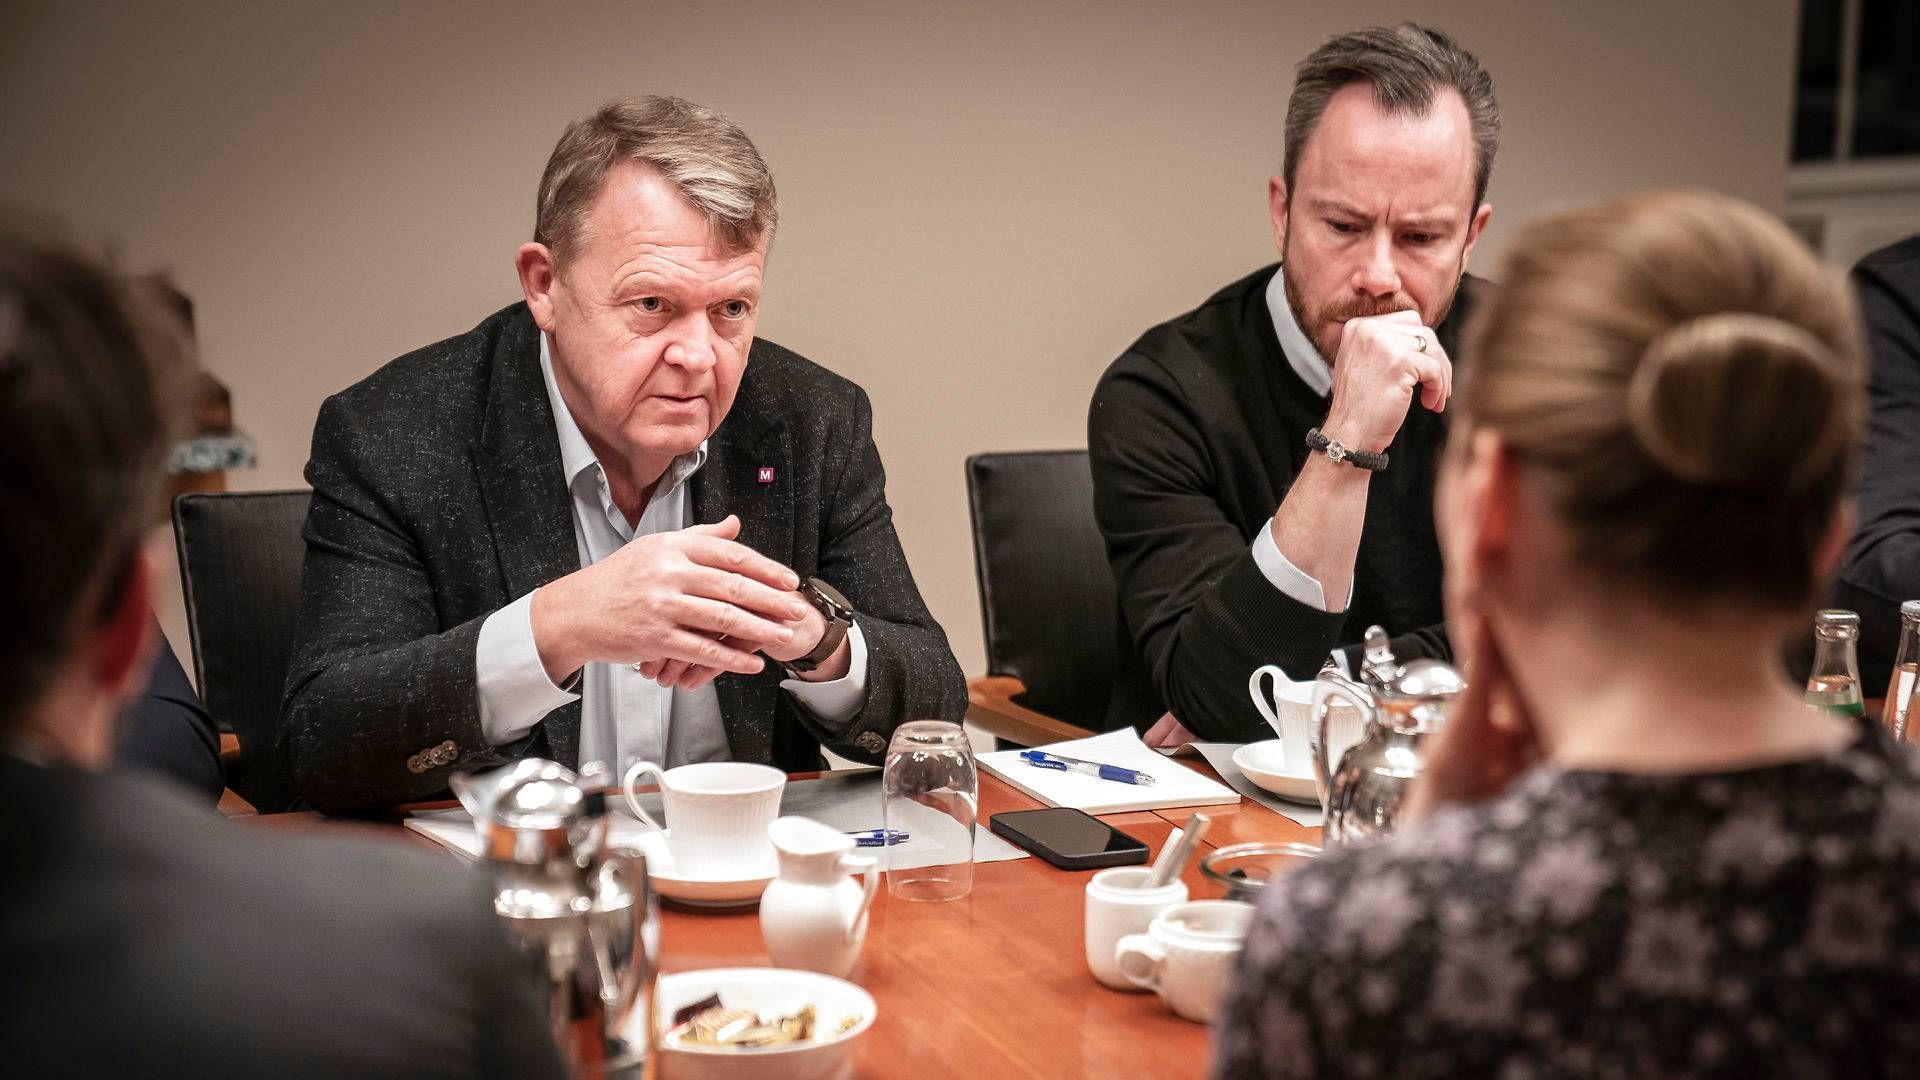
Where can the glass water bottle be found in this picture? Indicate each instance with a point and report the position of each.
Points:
(1906, 671)
(1835, 682)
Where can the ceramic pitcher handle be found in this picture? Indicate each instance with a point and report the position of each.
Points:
(1260, 699)
(626, 788)
(1140, 958)
(869, 871)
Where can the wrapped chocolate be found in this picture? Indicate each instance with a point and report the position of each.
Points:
(710, 1023)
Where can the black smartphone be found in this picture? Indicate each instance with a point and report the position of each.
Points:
(1069, 839)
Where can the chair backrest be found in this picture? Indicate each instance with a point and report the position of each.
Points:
(1046, 591)
(240, 557)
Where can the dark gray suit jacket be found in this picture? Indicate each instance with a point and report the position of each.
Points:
(438, 497)
(142, 935)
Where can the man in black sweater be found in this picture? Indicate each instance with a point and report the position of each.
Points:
(1263, 465)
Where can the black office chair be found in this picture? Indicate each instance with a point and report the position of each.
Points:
(1046, 598)
(240, 557)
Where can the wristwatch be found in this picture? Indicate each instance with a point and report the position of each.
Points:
(834, 608)
(1337, 451)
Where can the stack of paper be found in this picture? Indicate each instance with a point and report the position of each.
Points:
(1174, 784)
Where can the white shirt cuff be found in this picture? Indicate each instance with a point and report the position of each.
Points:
(514, 689)
(838, 700)
(1288, 578)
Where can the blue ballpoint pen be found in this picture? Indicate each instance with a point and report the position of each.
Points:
(1043, 760)
(877, 837)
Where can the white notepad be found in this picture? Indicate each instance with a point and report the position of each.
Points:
(1175, 784)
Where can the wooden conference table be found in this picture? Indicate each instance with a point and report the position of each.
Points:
(991, 986)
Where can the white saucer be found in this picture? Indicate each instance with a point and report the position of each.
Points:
(741, 888)
(1263, 763)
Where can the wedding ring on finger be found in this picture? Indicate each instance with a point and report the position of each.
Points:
(1420, 342)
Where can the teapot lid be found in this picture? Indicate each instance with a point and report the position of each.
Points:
(539, 801)
(530, 811)
(1424, 678)
(1419, 678)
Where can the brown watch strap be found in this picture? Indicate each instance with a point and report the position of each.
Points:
(839, 616)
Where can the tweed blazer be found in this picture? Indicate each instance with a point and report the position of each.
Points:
(438, 498)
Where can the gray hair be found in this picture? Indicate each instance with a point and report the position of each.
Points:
(702, 153)
(1406, 64)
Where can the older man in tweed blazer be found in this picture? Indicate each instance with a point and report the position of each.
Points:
(576, 531)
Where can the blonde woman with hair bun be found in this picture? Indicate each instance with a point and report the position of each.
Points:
(1636, 852)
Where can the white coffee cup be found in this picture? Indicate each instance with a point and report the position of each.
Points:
(1187, 954)
(1118, 904)
(1288, 710)
(718, 813)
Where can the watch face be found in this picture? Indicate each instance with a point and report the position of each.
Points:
(832, 596)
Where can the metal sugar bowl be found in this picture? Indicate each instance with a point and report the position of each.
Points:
(582, 914)
(1401, 706)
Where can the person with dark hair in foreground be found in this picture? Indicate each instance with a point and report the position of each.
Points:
(1263, 465)
(141, 934)
(1701, 876)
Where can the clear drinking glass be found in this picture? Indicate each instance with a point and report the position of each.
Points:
(932, 795)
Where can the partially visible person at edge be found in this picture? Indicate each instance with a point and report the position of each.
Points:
(141, 933)
(1263, 465)
(1882, 565)
(1634, 851)
(164, 730)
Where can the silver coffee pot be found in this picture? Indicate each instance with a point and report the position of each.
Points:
(1401, 706)
(583, 914)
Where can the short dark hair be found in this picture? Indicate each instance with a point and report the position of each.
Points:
(1406, 64)
(93, 393)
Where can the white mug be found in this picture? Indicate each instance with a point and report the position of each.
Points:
(718, 812)
(1187, 955)
(1118, 904)
(1288, 710)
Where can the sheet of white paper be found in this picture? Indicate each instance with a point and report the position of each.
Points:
(848, 801)
(1175, 784)
(1220, 756)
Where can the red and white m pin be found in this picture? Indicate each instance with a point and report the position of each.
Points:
(766, 474)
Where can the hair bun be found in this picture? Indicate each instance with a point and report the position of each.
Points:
(1740, 400)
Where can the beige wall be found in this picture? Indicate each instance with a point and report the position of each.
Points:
(982, 203)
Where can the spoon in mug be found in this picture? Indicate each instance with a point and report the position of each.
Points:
(1178, 851)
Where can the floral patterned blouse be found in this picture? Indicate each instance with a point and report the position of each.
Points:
(1761, 922)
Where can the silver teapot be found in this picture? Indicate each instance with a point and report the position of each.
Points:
(582, 914)
(1401, 705)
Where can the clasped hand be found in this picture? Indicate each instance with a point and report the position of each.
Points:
(682, 607)
(1382, 360)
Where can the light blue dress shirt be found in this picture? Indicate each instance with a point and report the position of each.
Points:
(625, 716)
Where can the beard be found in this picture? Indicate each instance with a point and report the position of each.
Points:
(1324, 324)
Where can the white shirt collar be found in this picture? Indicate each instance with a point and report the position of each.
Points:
(1295, 345)
(576, 456)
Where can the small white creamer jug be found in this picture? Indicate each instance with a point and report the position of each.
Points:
(814, 916)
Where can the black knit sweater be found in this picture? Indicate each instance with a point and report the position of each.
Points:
(1195, 434)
